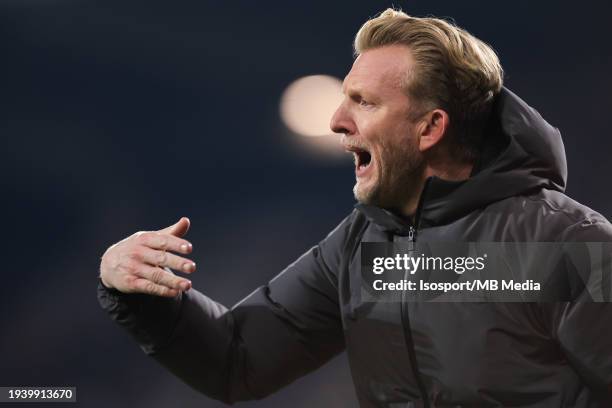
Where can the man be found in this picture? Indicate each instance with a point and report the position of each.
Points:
(442, 151)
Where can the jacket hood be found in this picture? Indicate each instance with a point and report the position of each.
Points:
(521, 154)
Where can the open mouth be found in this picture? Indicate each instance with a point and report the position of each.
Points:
(362, 157)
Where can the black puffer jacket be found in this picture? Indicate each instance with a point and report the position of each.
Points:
(409, 354)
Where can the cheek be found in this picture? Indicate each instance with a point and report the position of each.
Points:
(392, 159)
(385, 150)
(384, 162)
(387, 144)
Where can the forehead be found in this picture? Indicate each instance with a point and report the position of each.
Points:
(382, 70)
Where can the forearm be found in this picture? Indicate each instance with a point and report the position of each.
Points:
(190, 335)
(150, 320)
(247, 352)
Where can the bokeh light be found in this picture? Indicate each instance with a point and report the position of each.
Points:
(306, 108)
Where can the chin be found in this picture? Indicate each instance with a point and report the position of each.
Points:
(365, 194)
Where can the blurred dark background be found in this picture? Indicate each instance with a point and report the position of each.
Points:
(119, 116)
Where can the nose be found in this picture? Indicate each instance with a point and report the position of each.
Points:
(341, 121)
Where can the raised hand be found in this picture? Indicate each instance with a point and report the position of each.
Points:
(142, 262)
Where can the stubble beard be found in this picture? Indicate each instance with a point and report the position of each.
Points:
(396, 175)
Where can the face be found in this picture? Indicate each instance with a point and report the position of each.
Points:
(376, 122)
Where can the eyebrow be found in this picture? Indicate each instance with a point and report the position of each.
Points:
(360, 93)
(354, 89)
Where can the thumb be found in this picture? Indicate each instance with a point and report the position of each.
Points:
(179, 229)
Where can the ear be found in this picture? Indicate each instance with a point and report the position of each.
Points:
(432, 128)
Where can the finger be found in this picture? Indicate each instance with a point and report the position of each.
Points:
(179, 229)
(158, 240)
(164, 258)
(163, 277)
(150, 288)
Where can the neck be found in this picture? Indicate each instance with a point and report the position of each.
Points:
(456, 172)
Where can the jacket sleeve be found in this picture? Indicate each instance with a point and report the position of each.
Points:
(281, 331)
(582, 326)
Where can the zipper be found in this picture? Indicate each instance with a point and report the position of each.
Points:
(411, 239)
(412, 234)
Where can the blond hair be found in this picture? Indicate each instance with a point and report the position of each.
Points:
(454, 70)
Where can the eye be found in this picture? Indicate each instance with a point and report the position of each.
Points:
(361, 101)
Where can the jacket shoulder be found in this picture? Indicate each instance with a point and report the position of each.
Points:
(557, 217)
(555, 203)
(544, 216)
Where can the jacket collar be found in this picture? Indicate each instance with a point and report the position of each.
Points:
(432, 198)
